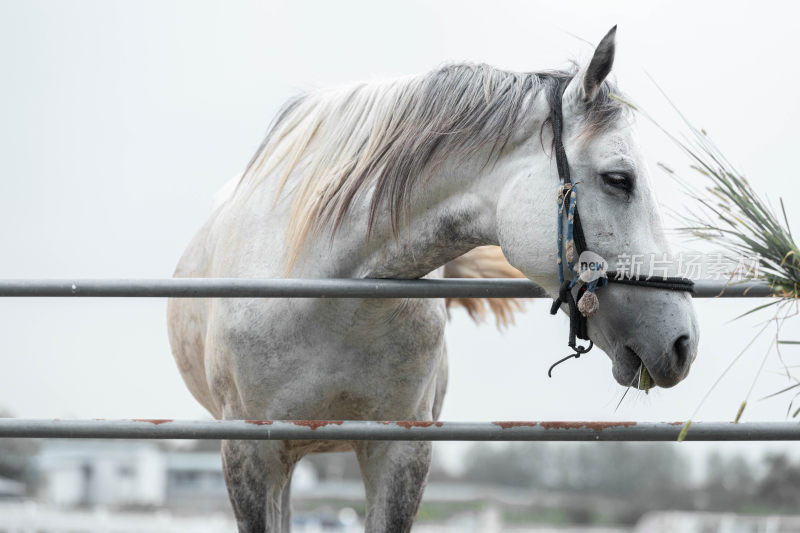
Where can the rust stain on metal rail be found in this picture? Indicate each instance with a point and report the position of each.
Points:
(507, 425)
(259, 422)
(596, 426)
(154, 421)
(314, 424)
(408, 424)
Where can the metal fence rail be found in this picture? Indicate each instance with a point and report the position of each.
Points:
(319, 288)
(402, 430)
(353, 429)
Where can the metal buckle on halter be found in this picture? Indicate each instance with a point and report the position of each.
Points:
(562, 192)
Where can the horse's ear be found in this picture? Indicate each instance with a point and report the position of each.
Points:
(584, 86)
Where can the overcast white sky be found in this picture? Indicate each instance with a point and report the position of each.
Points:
(118, 121)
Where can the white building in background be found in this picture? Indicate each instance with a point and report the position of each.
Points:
(111, 473)
(194, 479)
(11, 490)
(89, 473)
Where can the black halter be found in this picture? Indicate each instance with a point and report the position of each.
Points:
(577, 321)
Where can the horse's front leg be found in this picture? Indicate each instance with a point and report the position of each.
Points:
(257, 475)
(394, 477)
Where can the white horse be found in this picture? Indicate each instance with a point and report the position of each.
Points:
(396, 180)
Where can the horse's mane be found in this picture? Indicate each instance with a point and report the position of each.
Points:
(387, 136)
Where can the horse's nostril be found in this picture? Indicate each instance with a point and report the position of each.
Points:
(681, 349)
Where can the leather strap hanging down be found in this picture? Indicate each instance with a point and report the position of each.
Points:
(571, 236)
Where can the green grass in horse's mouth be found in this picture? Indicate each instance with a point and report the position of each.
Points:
(645, 380)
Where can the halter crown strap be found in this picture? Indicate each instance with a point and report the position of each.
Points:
(562, 163)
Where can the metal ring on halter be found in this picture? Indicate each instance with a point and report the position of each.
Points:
(584, 349)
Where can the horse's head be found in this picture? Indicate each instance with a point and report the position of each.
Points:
(620, 219)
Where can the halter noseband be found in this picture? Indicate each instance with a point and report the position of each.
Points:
(572, 242)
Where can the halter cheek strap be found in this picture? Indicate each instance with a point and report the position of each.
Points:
(571, 243)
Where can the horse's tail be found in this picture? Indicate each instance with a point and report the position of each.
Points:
(485, 262)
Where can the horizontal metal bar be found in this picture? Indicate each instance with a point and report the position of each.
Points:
(402, 430)
(319, 288)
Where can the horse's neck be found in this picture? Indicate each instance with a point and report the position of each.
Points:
(435, 234)
(450, 213)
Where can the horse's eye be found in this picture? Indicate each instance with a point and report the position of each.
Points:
(618, 180)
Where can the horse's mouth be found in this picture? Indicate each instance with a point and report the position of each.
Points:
(631, 372)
